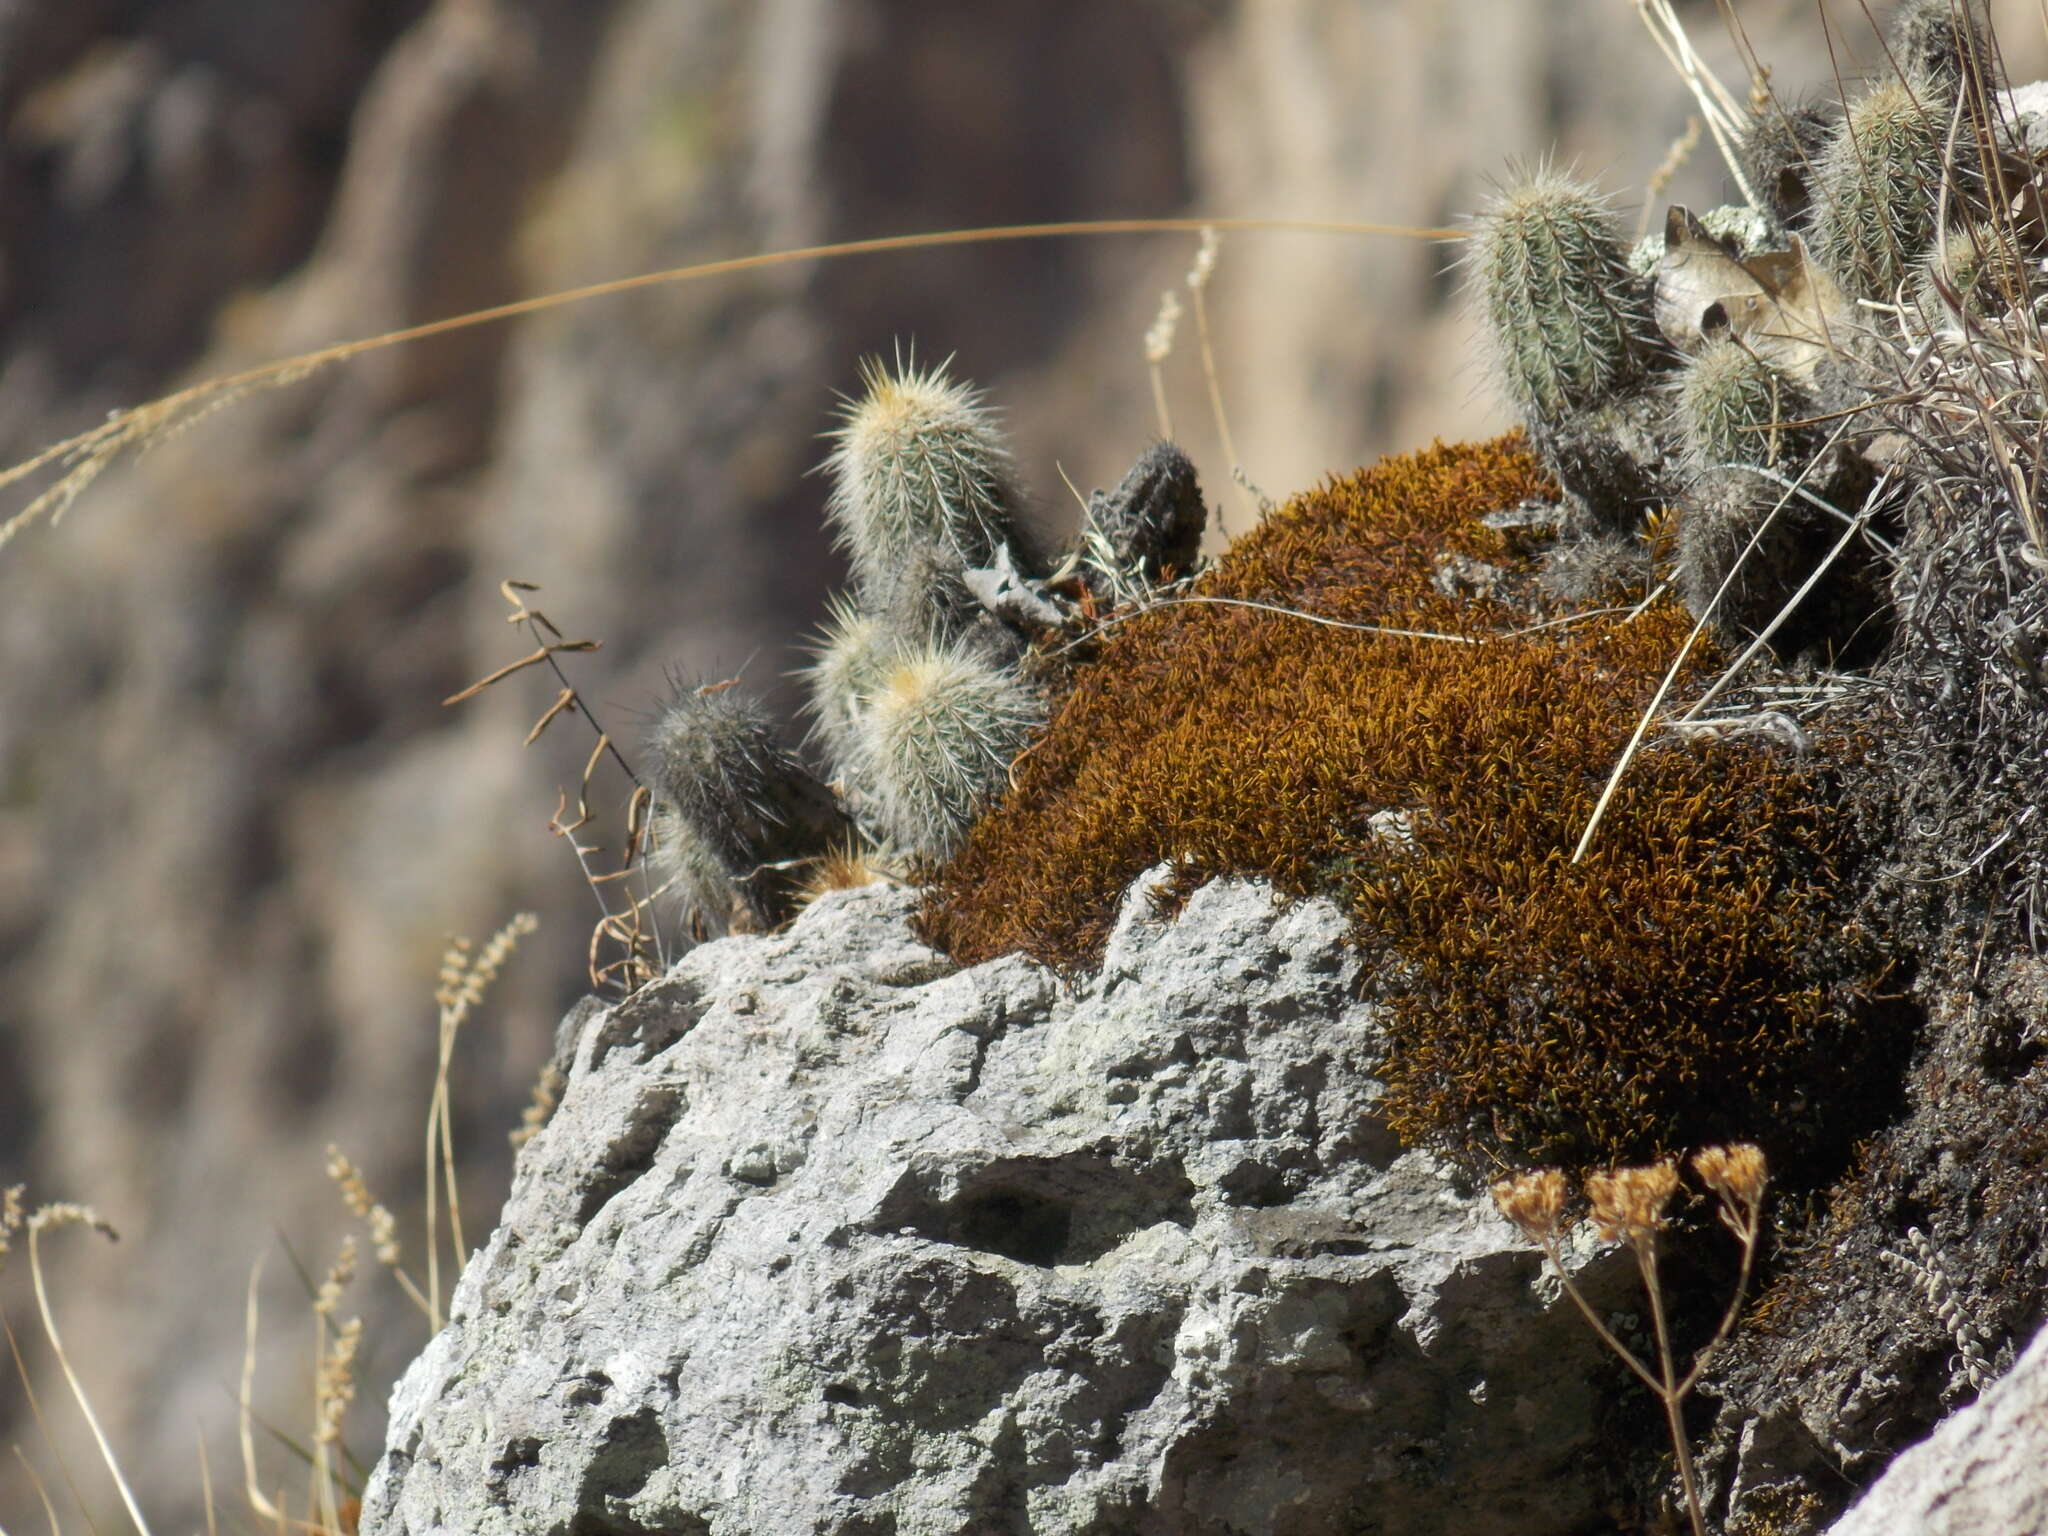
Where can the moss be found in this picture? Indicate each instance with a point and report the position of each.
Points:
(1687, 982)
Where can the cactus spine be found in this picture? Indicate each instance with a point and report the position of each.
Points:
(1734, 408)
(1878, 187)
(937, 739)
(918, 466)
(736, 815)
(1561, 309)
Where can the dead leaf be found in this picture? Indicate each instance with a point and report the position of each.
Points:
(1696, 272)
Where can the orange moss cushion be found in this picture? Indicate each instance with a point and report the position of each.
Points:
(1688, 981)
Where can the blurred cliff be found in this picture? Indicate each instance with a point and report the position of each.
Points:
(237, 824)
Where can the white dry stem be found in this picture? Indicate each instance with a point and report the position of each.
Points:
(61, 1215)
(1725, 116)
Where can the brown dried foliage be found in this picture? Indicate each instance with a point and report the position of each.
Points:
(1687, 982)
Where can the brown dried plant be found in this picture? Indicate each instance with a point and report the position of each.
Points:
(626, 946)
(1630, 1206)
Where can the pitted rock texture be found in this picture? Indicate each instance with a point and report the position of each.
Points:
(828, 1236)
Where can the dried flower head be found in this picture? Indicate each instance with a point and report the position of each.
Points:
(63, 1213)
(1629, 1203)
(1736, 1173)
(1532, 1201)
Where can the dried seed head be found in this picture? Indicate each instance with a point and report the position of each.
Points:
(1532, 1201)
(1159, 340)
(1629, 1202)
(1736, 1173)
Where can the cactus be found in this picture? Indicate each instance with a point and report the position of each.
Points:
(921, 595)
(1725, 511)
(1939, 41)
(1565, 318)
(737, 815)
(1782, 151)
(1975, 268)
(937, 739)
(1877, 187)
(1151, 523)
(918, 466)
(1732, 407)
(848, 664)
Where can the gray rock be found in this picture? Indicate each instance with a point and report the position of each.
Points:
(829, 1236)
(1985, 1469)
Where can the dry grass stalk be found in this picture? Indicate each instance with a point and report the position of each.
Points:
(1630, 1206)
(463, 982)
(1699, 628)
(35, 1409)
(84, 457)
(1198, 283)
(206, 1482)
(50, 1218)
(1724, 115)
(43, 1493)
(263, 1506)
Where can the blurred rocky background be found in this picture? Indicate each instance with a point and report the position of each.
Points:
(236, 822)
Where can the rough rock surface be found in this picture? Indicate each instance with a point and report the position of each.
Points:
(216, 966)
(1985, 1469)
(827, 1235)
